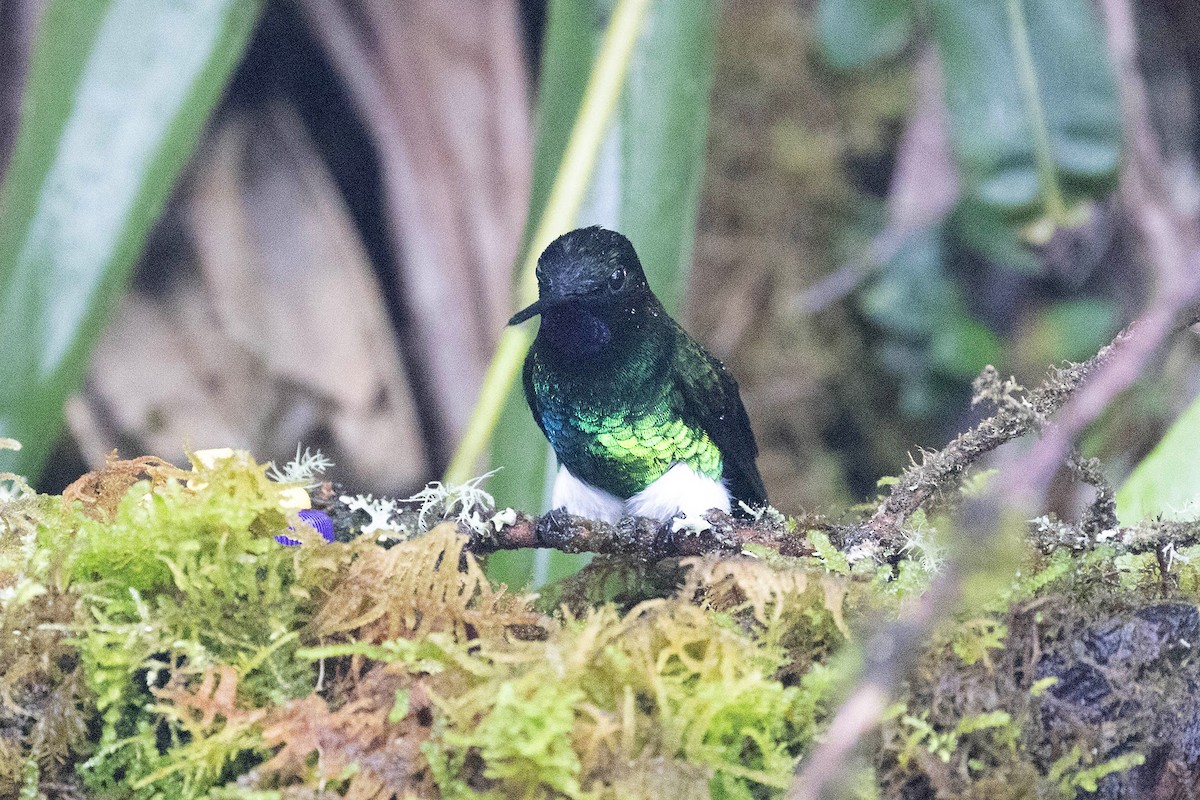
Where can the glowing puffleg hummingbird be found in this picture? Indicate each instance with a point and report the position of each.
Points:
(644, 421)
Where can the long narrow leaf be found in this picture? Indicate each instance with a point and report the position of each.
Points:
(573, 31)
(118, 93)
(563, 198)
(646, 183)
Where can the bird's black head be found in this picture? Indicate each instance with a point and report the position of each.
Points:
(594, 267)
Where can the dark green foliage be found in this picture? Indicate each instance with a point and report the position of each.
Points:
(1033, 114)
(857, 33)
(1032, 107)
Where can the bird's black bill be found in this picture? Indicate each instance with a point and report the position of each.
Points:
(542, 305)
(528, 312)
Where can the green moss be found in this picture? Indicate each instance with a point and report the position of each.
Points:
(666, 682)
(214, 662)
(183, 579)
(523, 741)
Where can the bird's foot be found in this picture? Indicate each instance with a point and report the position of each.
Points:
(690, 523)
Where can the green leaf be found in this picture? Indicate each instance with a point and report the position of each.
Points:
(963, 346)
(400, 707)
(661, 131)
(646, 183)
(1167, 481)
(856, 33)
(1033, 114)
(913, 293)
(572, 35)
(118, 92)
(1071, 330)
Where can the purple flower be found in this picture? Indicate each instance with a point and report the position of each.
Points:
(315, 519)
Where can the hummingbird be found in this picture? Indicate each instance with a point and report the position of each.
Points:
(644, 421)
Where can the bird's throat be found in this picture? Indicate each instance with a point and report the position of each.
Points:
(574, 330)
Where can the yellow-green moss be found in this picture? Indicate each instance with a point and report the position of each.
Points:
(210, 661)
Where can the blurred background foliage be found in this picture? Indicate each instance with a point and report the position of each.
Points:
(235, 224)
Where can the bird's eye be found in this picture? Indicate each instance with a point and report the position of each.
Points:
(617, 279)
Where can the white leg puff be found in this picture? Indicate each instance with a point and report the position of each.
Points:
(680, 489)
(585, 500)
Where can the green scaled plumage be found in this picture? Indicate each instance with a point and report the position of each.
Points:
(621, 391)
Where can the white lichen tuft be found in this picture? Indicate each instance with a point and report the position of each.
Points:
(868, 551)
(13, 489)
(468, 504)
(1050, 529)
(921, 545)
(504, 517)
(15, 497)
(1172, 555)
(381, 511)
(305, 469)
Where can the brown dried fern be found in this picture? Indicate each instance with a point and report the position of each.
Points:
(418, 588)
(362, 733)
(101, 491)
(729, 584)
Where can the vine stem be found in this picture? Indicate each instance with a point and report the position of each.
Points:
(1056, 205)
(566, 196)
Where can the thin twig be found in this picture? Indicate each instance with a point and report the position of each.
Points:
(941, 470)
(889, 656)
(924, 189)
(1169, 238)
(839, 284)
(1147, 537)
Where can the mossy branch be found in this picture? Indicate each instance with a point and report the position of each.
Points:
(1018, 412)
(648, 539)
(1015, 416)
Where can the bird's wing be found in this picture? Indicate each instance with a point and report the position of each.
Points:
(711, 401)
(531, 395)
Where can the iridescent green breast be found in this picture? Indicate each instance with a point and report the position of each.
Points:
(608, 392)
(624, 447)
